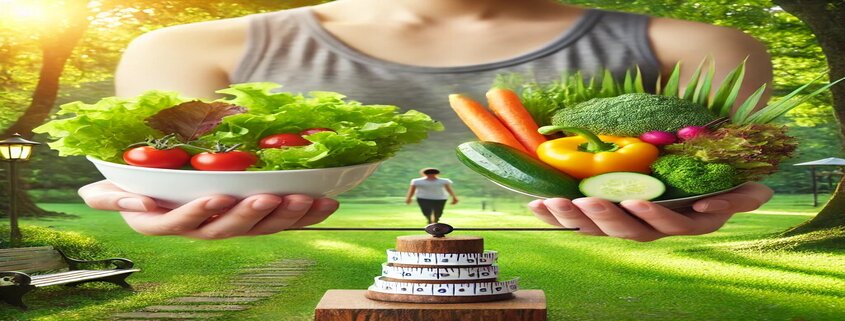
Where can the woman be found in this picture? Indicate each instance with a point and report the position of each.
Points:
(412, 53)
(431, 192)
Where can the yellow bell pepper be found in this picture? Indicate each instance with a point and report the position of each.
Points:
(587, 155)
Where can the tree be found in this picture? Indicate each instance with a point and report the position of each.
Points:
(825, 19)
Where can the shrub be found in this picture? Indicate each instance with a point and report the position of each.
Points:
(73, 244)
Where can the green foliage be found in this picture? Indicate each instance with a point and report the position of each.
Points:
(687, 175)
(633, 114)
(73, 244)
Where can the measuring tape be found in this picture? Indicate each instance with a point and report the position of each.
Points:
(450, 289)
(453, 259)
(440, 273)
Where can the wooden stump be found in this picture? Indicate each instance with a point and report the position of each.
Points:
(430, 244)
(352, 305)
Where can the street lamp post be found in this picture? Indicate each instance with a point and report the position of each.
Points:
(15, 149)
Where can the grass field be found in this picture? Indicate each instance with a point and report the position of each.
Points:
(585, 278)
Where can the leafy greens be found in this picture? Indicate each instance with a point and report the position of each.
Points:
(361, 133)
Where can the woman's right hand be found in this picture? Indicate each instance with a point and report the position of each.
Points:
(213, 217)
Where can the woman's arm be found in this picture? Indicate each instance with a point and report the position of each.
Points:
(690, 42)
(194, 59)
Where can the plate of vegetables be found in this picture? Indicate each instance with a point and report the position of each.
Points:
(612, 140)
(256, 140)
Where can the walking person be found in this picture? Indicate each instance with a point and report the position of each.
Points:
(432, 193)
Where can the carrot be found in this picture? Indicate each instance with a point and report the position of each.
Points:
(486, 126)
(506, 106)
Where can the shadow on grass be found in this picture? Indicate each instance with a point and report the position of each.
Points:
(827, 241)
(49, 300)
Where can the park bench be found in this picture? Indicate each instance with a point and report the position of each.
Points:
(52, 268)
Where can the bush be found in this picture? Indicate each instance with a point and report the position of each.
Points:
(73, 244)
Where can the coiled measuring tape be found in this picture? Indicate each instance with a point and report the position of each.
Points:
(440, 273)
(453, 259)
(450, 289)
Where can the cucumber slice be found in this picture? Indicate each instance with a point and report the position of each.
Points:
(620, 186)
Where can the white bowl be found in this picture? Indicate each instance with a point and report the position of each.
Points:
(173, 187)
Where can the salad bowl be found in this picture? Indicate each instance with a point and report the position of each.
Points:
(173, 188)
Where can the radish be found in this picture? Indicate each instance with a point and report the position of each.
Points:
(658, 137)
(691, 132)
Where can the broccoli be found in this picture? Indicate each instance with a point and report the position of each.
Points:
(687, 175)
(633, 114)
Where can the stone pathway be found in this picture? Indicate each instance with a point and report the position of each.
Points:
(248, 287)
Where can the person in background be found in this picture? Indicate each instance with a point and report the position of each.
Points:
(431, 192)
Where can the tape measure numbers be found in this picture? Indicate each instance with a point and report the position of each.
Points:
(451, 289)
(439, 259)
(440, 273)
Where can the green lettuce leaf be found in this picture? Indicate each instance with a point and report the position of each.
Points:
(104, 129)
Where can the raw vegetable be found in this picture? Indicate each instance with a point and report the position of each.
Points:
(506, 106)
(621, 186)
(753, 150)
(687, 175)
(361, 133)
(283, 140)
(691, 132)
(633, 114)
(150, 156)
(223, 158)
(658, 138)
(105, 129)
(587, 155)
(190, 120)
(484, 124)
(516, 170)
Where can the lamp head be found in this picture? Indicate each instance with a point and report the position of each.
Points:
(16, 148)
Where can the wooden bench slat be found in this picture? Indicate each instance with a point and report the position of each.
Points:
(32, 264)
(57, 275)
(15, 253)
(19, 255)
(23, 260)
(86, 274)
(36, 268)
(26, 249)
(70, 275)
(83, 278)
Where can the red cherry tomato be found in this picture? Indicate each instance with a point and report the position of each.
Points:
(229, 161)
(148, 156)
(314, 131)
(283, 140)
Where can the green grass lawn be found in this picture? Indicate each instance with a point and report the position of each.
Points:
(585, 278)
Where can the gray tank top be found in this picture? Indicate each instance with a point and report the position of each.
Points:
(291, 47)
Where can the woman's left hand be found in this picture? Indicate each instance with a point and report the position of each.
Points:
(648, 221)
(454, 200)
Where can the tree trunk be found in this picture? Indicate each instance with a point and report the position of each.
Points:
(56, 48)
(826, 18)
